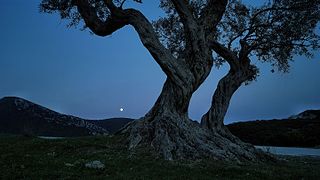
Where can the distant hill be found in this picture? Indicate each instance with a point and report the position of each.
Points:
(302, 130)
(308, 114)
(112, 125)
(19, 116)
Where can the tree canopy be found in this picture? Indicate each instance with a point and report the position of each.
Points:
(273, 32)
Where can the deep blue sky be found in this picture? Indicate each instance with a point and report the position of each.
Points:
(76, 73)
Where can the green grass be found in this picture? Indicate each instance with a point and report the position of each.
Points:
(34, 158)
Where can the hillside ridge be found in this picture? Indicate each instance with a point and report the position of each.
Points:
(301, 130)
(20, 116)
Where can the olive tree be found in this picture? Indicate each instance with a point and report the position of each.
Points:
(192, 38)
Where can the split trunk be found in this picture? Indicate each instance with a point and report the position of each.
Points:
(170, 133)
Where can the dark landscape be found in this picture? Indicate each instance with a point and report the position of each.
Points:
(22, 117)
(302, 130)
(180, 68)
(85, 141)
(33, 158)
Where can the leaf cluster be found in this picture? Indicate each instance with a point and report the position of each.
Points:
(275, 32)
(68, 11)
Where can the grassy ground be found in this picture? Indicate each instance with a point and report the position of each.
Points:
(34, 158)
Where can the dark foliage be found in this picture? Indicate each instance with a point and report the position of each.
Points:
(274, 32)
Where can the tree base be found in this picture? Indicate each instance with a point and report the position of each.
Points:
(174, 138)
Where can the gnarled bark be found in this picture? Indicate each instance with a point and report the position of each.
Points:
(240, 71)
(226, 87)
(170, 133)
(166, 128)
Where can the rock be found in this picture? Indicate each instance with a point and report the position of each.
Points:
(95, 165)
(69, 164)
(53, 154)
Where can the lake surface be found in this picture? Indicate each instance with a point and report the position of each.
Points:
(293, 151)
(50, 138)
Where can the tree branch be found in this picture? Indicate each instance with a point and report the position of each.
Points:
(183, 9)
(190, 25)
(226, 54)
(270, 9)
(212, 14)
(170, 65)
(236, 37)
(245, 50)
(94, 23)
(186, 15)
(174, 69)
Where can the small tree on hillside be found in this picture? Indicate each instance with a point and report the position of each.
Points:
(194, 36)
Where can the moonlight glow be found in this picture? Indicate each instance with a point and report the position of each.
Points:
(121, 109)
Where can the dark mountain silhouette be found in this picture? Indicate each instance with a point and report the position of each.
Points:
(112, 125)
(19, 116)
(308, 114)
(302, 130)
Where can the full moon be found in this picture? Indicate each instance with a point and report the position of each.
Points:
(121, 109)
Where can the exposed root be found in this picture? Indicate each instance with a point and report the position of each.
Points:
(185, 139)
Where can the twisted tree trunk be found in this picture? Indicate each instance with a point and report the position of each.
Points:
(226, 87)
(213, 120)
(166, 128)
(170, 133)
(161, 126)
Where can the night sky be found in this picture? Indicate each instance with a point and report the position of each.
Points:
(74, 72)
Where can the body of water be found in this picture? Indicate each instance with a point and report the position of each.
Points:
(50, 138)
(293, 151)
